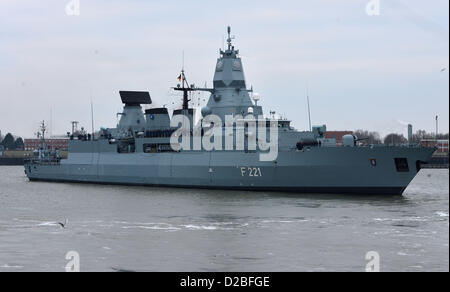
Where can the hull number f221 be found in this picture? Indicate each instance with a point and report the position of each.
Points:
(251, 171)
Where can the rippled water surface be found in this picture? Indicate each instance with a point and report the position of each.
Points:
(164, 229)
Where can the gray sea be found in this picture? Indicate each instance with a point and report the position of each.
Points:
(164, 229)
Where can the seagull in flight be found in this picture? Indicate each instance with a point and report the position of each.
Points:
(63, 225)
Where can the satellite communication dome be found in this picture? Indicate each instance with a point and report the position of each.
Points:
(256, 96)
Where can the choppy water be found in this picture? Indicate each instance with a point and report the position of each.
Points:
(163, 229)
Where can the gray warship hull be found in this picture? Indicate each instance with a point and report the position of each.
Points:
(317, 170)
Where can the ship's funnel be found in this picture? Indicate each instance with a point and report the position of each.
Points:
(410, 133)
(157, 119)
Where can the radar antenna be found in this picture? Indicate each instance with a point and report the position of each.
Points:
(230, 38)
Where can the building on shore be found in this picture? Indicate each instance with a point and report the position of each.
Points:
(442, 145)
(52, 144)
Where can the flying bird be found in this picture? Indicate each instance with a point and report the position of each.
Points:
(63, 225)
(443, 69)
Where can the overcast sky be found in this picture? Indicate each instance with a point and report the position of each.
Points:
(372, 72)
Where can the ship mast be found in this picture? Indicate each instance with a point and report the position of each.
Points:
(230, 38)
(43, 129)
(185, 87)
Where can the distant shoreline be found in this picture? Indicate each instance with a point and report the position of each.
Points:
(16, 157)
(10, 161)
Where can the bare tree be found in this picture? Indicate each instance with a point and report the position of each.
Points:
(424, 135)
(367, 137)
(395, 139)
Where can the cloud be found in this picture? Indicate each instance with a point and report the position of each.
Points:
(50, 60)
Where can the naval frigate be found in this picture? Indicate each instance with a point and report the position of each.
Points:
(139, 150)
